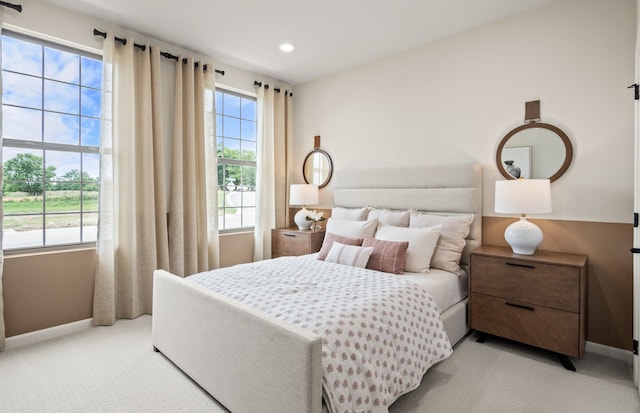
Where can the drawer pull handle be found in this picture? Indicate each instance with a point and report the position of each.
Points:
(513, 264)
(524, 307)
(290, 235)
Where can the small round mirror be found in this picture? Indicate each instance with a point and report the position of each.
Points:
(534, 151)
(317, 168)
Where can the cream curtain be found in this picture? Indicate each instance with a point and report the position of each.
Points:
(132, 232)
(2, 331)
(134, 237)
(274, 126)
(193, 211)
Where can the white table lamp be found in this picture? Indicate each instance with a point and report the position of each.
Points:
(303, 194)
(523, 196)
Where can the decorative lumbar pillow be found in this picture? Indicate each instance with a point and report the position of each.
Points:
(422, 243)
(455, 229)
(387, 256)
(387, 216)
(330, 238)
(352, 229)
(349, 255)
(350, 214)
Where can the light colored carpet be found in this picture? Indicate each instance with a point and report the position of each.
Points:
(114, 369)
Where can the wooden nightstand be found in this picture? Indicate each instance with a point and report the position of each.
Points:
(538, 299)
(293, 241)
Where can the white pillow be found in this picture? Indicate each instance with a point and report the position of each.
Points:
(349, 255)
(455, 229)
(387, 216)
(350, 214)
(352, 229)
(422, 243)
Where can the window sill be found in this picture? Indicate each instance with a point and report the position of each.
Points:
(24, 252)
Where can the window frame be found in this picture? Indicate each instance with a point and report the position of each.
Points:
(45, 146)
(235, 162)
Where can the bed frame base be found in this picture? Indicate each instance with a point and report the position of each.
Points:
(248, 360)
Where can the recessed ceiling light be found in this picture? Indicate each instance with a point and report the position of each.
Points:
(286, 47)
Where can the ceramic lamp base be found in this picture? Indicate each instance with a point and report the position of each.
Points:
(523, 237)
(301, 220)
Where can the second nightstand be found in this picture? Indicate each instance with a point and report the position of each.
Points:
(535, 299)
(293, 241)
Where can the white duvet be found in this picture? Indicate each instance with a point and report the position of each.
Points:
(380, 332)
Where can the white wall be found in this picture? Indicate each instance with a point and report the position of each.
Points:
(454, 100)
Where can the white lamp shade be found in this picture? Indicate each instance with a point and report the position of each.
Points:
(303, 194)
(523, 196)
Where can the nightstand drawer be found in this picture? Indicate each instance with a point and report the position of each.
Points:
(554, 330)
(554, 286)
(291, 241)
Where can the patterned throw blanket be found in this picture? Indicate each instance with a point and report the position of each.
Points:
(380, 332)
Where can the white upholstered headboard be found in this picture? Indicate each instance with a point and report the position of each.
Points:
(445, 189)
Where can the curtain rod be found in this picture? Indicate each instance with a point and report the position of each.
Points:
(16, 7)
(277, 89)
(142, 47)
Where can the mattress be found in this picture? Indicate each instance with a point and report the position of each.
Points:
(446, 288)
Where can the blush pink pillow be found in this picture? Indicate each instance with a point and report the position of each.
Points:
(387, 256)
(330, 238)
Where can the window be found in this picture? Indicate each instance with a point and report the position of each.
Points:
(51, 137)
(236, 130)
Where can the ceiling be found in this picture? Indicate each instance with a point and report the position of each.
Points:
(328, 35)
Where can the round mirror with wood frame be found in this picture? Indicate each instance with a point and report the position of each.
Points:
(317, 168)
(534, 150)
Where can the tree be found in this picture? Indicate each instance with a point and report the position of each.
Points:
(24, 174)
(74, 181)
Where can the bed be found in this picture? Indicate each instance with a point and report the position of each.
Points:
(252, 361)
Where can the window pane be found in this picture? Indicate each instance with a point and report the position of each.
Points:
(60, 128)
(249, 150)
(91, 168)
(62, 229)
(249, 130)
(248, 217)
(89, 227)
(218, 125)
(30, 56)
(91, 74)
(61, 97)
(22, 171)
(90, 102)
(230, 127)
(231, 105)
(221, 181)
(62, 201)
(249, 109)
(21, 90)
(233, 177)
(90, 132)
(63, 166)
(19, 123)
(249, 178)
(61, 65)
(22, 231)
(231, 149)
(90, 197)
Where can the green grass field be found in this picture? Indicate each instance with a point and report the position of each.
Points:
(56, 202)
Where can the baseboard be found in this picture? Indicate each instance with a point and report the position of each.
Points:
(608, 351)
(47, 333)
